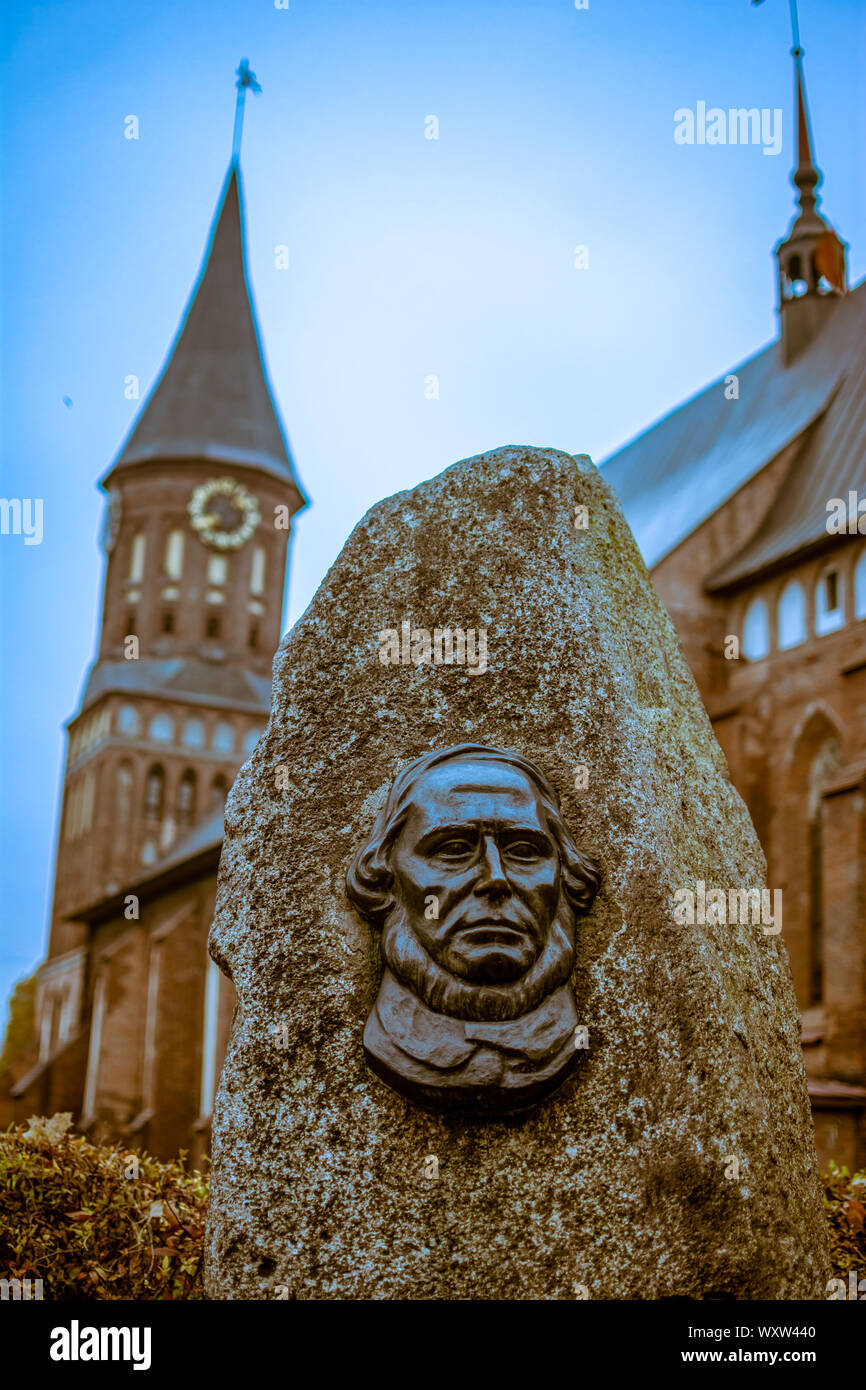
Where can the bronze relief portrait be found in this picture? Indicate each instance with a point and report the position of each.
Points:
(477, 885)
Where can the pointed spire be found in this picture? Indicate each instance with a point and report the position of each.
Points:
(806, 177)
(811, 258)
(212, 399)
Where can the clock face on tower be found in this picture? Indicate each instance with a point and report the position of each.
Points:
(223, 513)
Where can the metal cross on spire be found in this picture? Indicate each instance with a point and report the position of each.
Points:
(246, 78)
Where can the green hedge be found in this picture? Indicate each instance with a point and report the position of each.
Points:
(845, 1207)
(98, 1222)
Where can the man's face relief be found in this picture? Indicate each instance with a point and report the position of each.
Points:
(475, 842)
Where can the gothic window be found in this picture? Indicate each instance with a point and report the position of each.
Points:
(257, 571)
(161, 728)
(756, 630)
(154, 795)
(792, 616)
(167, 622)
(136, 558)
(224, 738)
(253, 638)
(193, 733)
(124, 794)
(860, 587)
(218, 790)
(186, 798)
(131, 625)
(829, 603)
(212, 627)
(824, 764)
(174, 555)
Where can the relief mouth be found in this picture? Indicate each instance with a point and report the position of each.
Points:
(493, 934)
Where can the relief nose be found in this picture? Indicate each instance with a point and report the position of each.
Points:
(492, 878)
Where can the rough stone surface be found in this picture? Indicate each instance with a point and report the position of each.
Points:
(618, 1186)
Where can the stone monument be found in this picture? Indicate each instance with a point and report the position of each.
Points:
(486, 1045)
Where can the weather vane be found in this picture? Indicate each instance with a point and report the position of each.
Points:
(246, 78)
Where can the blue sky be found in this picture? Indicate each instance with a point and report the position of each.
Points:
(409, 258)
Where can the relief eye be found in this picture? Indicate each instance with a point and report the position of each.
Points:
(455, 847)
(524, 849)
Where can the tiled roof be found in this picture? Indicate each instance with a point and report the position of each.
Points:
(212, 399)
(186, 678)
(681, 470)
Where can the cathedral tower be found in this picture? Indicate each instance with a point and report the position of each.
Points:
(200, 501)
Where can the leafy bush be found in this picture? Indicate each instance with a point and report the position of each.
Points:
(20, 1025)
(845, 1209)
(97, 1222)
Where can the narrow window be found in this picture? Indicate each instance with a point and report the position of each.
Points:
(826, 762)
(154, 794)
(829, 608)
(124, 795)
(792, 616)
(167, 624)
(136, 558)
(186, 798)
(756, 631)
(212, 626)
(174, 555)
(257, 572)
(217, 569)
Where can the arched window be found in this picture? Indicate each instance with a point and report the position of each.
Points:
(186, 798)
(860, 587)
(224, 738)
(136, 557)
(124, 794)
(826, 761)
(218, 790)
(154, 794)
(792, 616)
(174, 554)
(829, 602)
(193, 733)
(127, 719)
(257, 571)
(162, 728)
(756, 631)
